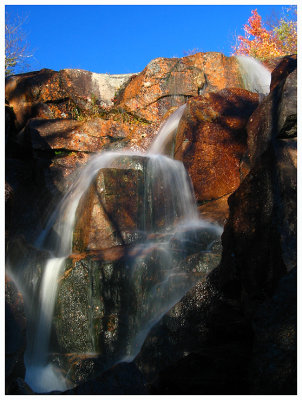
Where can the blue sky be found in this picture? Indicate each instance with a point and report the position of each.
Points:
(125, 38)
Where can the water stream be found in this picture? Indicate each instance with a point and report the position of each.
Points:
(169, 210)
(170, 217)
(256, 77)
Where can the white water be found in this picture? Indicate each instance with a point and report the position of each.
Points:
(163, 176)
(168, 181)
(167, 131)
(256, 77)
(62, 223)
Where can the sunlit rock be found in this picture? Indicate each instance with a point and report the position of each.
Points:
(211, 141)
(166, 83)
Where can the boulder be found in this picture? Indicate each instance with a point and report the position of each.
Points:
(211, 140)
(68, 93)
(89, 315)
(25, 202)
(122, 379)
(166, 83)
(276, 117)
(274, 363)
(58, 147)
(111, 212)
(88, 136)
(15, 334)
(281, 68)
(66, 134)
(201, 346)
(260, 250)
(240, 322)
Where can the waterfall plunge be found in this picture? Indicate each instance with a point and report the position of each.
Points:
(181, 220)
(181, 223)
(167, 131)
(255, 76)
(163, 175)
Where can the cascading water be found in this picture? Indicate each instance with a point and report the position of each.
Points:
(255, 76)
(157, 273)
(166, 131)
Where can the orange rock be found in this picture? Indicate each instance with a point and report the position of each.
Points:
(211, 140)
(24, 91)
(169, 82)
(69, 93)
(86, 136)
(111, 211)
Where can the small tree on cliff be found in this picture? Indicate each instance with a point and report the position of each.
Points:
(17, 51)
(264, 43)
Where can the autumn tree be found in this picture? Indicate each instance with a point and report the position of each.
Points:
(263, 42)
(17, 53)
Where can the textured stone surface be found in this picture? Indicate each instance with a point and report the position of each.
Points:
(122, 379)
(63, 94)
(252, 293)
(232, 333)
(15, 326)
(211, 140)
(281, 68)
(203, 341)
(274, 362)
(165, 83)
(275, 117)
(111, 212)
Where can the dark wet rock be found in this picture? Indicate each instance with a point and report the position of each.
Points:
(274, 363)
(287, 121)
(15, 332)
(10, 131)
(88, 284)
(240, 323)
(26, 200)
(259, 260)
(215, 211)
(281, 68)
(203, 339)
(20, 387)
(122, 379)
(252, 261)
(274, 118)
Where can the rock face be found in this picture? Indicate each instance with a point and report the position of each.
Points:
(111, 212)
(252, 292)
(165, 83)
(125, 379)
(200, 346)
(211, 141)
(234, 332)
(63, 94)
(15, 325)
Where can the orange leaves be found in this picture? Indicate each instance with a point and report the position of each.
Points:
(258, 41)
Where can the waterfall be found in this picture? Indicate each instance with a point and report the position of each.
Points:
(256, 77)
(167, 131)
(171, 222)
(41, 375)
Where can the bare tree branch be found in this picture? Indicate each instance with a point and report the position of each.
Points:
(17, 50)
